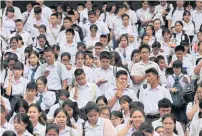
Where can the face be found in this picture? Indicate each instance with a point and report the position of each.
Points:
(164, 111)
(17, 72)
(93, 32)
(162, 64)
(61, 119)
(180, 3)
(67, 24)
(65, 60)
(145, 4)
(14, 44)
(177, 70)
(151, 78)
(105, 114)
(168, 125)
(19, 26)
(124, 42)
(19, 127)
(179, 55)
(59, 9)
(149, 31)
(89, 5)
(52, 132)
(93, 116)
(21, 110)
(33, 114)
(199, 93)
(31, 93)
(104, 41)
(160, 131)
(97, 13)
(98, 50)
(123, 11)
(80, 8)
(137, 119)
(81, 79)
(105, 63)
(49, 56)
(145, 40)
(89, 61)
(80, 60)
(131, 39)
(33, 59)
(136, 57)
(69, 110)
(101, 103)
(9, 3)
(29, 7)
(199, 4)
(69, 37)
(76, 15)
(199, 36)
(10, 64)
(166, 36)
(53, 20)
(124, 106)
(40, 86)
(152, 9)
(156, 50)
(125, 21)
(92, 18)
(157, 25)
(122, 79)
(187, 17)
(115, 120)
(42, 42)
(42, 31)
(186, 48)
(113, 9)
(178, 27)
(144, 53)
(10, 14)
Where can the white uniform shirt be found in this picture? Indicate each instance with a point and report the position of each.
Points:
(62, 37)
(7, 103)
(26, 37)
(116, 23)
(7, 126)
(128, 51)
(195, 128)
(133, 16)
(51, 112)
(189, 28)
(150, 98)
(9, 23)
(140, 12)
(39, 129)
(176, 16)
(196, 17)
(53, 32)
(130, 29)
(158, 35)
(17, 13)
(109, 18)
(86, 93)
(111, 93)
(90, 42)
(26, 133)
(6, 34)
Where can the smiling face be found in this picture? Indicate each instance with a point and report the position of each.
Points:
(33, 114)
(137, 119)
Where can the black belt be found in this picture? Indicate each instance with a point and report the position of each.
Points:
(56, 91)
(153, 116)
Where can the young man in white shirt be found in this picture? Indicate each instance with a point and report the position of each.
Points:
(84, 13)
(151, 93)
(84, 91)
(197, 15)
(158, 31)
(114, 93)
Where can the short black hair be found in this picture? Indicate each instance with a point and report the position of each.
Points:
(9, 133)
(94, 26)
(156, 44)
(12, 56)
(52, 126)
(164, 103)
(37, 10)
(3, 109)
(91, 106)
(125, 98)
(48, 49)
(184, 43)
(125, 15)
(105, 55)
(70, 30)
(152, 70)
(55, 14)
(177, 64)
(146, 127)
(91, 12)
(103, 36)
(10, 9)
(136, 104)
(78, 72)
(68, 18)
(31, 85)
(102, 98)
(121, 72)
(165, 30)
(144, 46)
(179, 48)
(160, 57)
(18, 20)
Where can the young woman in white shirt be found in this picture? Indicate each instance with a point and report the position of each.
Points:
(105, 112)
(62, 119)
(169, 122)
(22, 125)
(116, 118)
(36, 117)
(149, 30)
(31, 93)
(9, 19)
(52, 130)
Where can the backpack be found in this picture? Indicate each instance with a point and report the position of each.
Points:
(189, 92)
(177, 97)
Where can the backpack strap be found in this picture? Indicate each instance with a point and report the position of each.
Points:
(83, 127)
(93, 88)
(194, 26)
(179, 77)
(43, 66)
(145, 86)
(173, 11)
(59, 69)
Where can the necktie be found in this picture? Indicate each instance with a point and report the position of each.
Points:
(33, 73)
(40, 99)
(177, 78)
(124, 53)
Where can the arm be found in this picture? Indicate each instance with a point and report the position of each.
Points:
(123, 132)
(139, 79)
(198, 68)
(112, 101)
(191, 113)
(64, 84)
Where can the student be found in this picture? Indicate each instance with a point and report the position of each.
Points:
(62, 120)
(158, 30)
(136, 104)
(96, 125)
(169, 122)
(8, 133)
(135, 58)
(45, 98)
(151, 34)
(137, 118)
(101, 101)
(165, 107)
(23, 125)
(36, 117)
(90, 61)
(160, 130)
(63, 96)
(56, 49)
(21, 48)
(116, 118)
(81, 46)
(55, 72)
(124, 102)
(147, 129)
(97, 50)
(20, 107)
(26, 14)
(8, 21)
(15, 84)
(106, 44)
(114, 94)
(31, 93)
(162, 63)
(105, 112)
(52, 129)
(4, 124)
(41, 43)
(84, 91)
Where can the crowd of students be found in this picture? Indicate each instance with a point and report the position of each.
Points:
(104, 70)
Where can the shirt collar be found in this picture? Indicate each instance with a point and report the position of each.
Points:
(54, 64)
(156, 89)
(86, 85)
(142, 63)
(20, 80)
(99, 123)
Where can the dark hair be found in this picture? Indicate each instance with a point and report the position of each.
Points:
(81, 53)
(160, 57)
(153, 58)
(42, 79)
(18, 20)
(43, 37)
(177, 64)
(135, 105)
(98, 44)
(157, 19)
(9, 133)
(37, 10)
(70, 30)
(125, 15)
(28, 49)
(55, 14)
(102, 98)
(68, 123)
(117, 59)
(48, 49)
(138, 133)
(43, 27)
(105, 55)
(91, 106)
(109, 6)
(91, 12)
(42, 118)
(173, 118)
(94, 26)
(179, 22)
(64, 93)
(156, 44)
(152, 70)
(18, 65)
(124, 36)
(31, 85)
(53, 7)
(21, 103)
(164, 103)
(71, 12)
(144, 46)
(68, 18)
(12, 56)
(13, 38)
(179, 48)
(165, 30)
(152, 27)
(105, 108)
(74, 107)
(134, 52)
(186, 12)
(146, 127)
(78, 72)
(66, 54)
(119, 7)
(34, 53)
(81, 44)
(61, 5)
(89, 54)
(56, 46)
(52, 126)
(103, 36)
(125, 98)
(10, 9)
(121, 72)
(137, 109)
(23, 117)
(117, 114)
